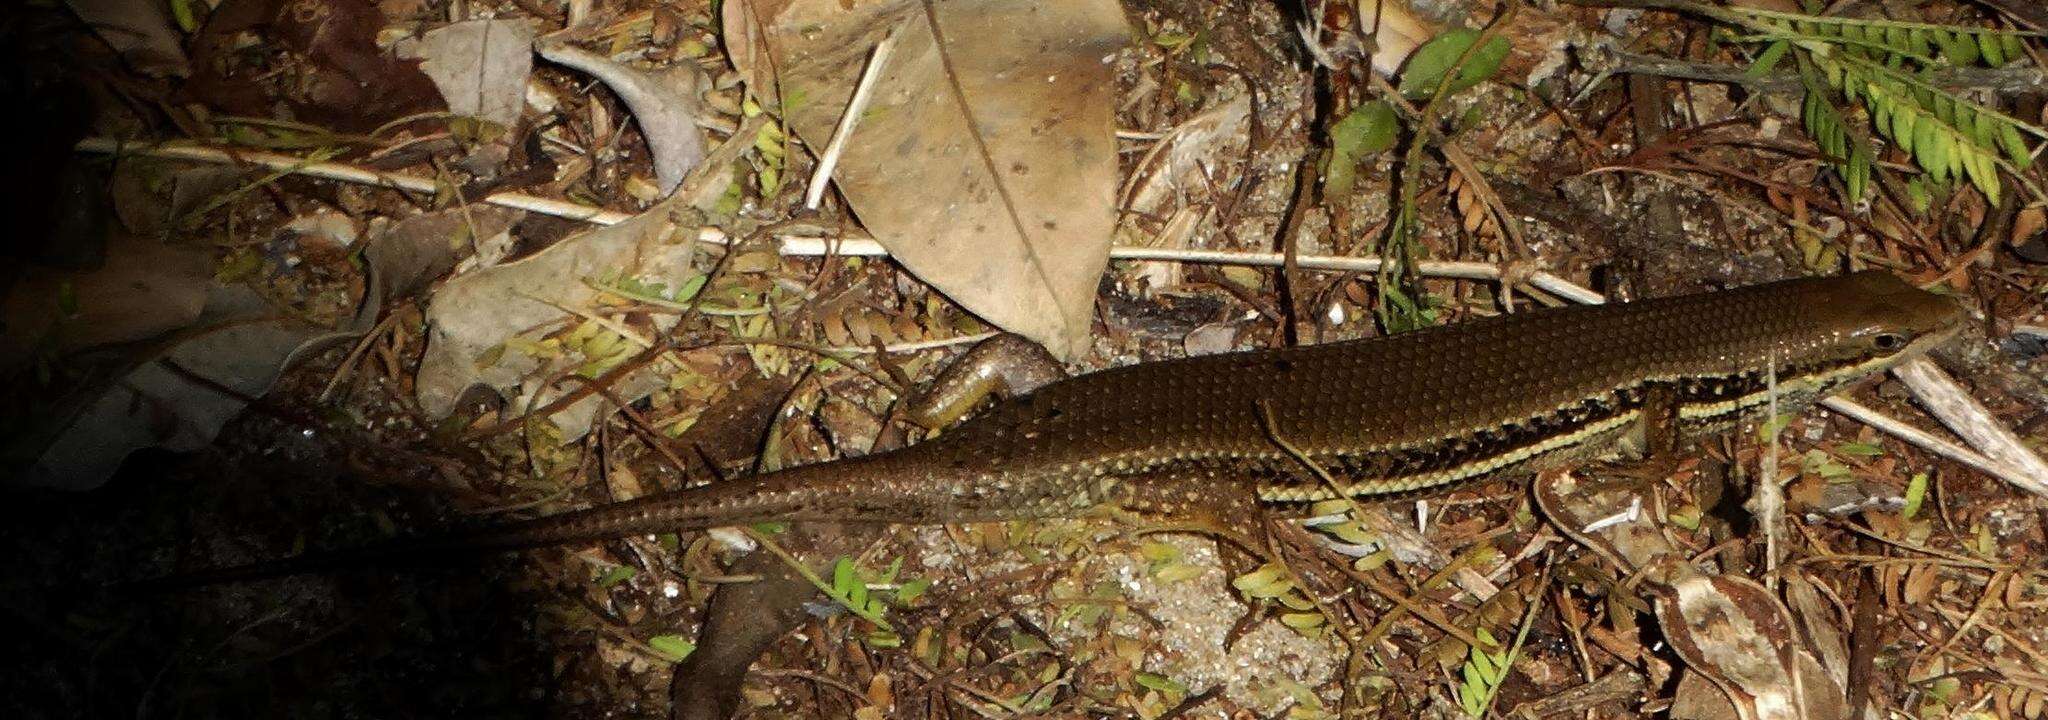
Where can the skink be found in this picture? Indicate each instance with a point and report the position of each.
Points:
(1202, 438)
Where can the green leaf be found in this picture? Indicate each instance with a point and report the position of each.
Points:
(67, 299)
(1967, 52)
(1954, 148)
(182, 12)
(1992, 49)
(1945, 108)
(1857, 449)
(1340, 174)
(1916, 493)
(1259, 583)
(1302, 620)
(1177, 572)
(1161, 683)
(1964, 121)
(1431, 62)
(1983, 171)
(844, 579)
(1486, 667)
(616, 575)
(1767, 60)
(1918, 194)
(1474, 679)
(1921, 41)
(1858, 175)
(910, 591)
(2011, 45)
(1687, 516)
(1368, 129)
(1767, 431)
(1902, 128)
(1927, 150)
(674, 647)
(2015, 145)
(1959, 48)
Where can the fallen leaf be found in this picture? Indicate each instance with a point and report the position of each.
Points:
(412, 252)
(1174, 165)
(152, 196)
(1211, 339)
(664, 102)
(144, 289)
(986, 162)
(474, 314)
(2029, 242)
(140, 31)
(477, 318)
(239, 350)
(337, 76)
(481, 67)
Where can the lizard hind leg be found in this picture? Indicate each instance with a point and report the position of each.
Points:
(1201, 502)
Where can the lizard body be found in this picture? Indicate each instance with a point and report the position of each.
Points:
(1386, 417)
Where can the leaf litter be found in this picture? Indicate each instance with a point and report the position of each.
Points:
(1064, 618)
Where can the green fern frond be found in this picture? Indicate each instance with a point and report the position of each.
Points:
(1928, 95)
(1992, 47)
(1949, 136)
(1849, 152)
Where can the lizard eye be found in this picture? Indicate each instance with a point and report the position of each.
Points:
(1889, 342)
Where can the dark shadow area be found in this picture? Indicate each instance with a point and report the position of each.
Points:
(457, 641)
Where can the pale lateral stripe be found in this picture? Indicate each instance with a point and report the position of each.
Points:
(1482, 466)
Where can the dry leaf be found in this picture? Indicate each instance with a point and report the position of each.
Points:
(342, 79)
(145, 289)
(2029, 241)
(473, 314)
(1006, 202)
(1174, 166)
(664, 102)
(1733, 632)
(412, 252)
(481, 67)
(158, 403)
(140, 31)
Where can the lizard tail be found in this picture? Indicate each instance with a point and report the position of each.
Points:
(826, 491)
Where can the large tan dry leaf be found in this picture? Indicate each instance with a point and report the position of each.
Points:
(986, 163)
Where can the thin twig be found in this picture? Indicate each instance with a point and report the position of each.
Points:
(848, 120)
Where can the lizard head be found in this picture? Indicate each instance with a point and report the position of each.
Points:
(1878, 320)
